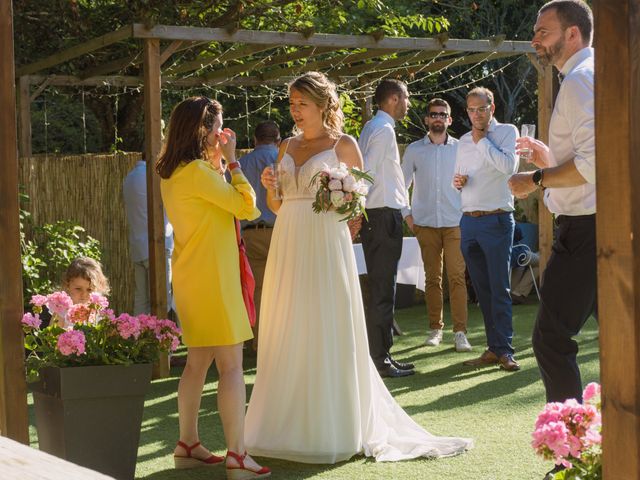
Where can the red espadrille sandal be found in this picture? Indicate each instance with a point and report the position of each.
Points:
(241, 472)
(187, 461)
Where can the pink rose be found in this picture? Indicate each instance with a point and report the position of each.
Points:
(335, 185)
(349, 183)
(71, 342)
(58, 303)
(31, 320)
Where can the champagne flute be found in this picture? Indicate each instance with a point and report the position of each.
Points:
(527, 130)
(276, 169)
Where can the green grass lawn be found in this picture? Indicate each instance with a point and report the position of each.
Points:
(495, 408)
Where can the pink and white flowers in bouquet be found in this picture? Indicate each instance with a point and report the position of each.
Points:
(90, 334)
(341, 189)
(569, 434)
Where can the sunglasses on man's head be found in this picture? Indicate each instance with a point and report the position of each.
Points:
(442, 115)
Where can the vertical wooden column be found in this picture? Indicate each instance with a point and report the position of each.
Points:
(13, 389)
(366, 106)
(617, 82)
(547, 91)
(153, 144)
(24, 116)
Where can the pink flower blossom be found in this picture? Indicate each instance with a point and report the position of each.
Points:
(38, 300)
(107, 312)
(98, 301)
(128, 326)
(591, 391)
(31, 320)
(58, 303)
(71, 342)
(335, 185)
(79, 313)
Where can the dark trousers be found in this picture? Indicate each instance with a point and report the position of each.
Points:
(486, 247)
(381, 238)
(568, 298)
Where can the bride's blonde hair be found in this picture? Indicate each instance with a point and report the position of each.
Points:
(322, 92)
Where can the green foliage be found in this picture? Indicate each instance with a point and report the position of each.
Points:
(47, 250)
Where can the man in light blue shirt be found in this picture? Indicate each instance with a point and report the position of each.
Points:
(434, 216)
(134, 192)
(257, 233)
(485, 161)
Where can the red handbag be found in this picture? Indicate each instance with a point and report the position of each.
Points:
(247, 282)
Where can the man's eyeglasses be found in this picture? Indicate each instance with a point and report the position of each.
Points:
(442, 115)
(480, 110)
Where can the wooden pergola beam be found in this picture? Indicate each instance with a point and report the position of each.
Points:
(77, 51)
(167, 32)
(390, 63)
(14, 419)
(617, 95)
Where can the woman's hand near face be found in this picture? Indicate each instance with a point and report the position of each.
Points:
(227, 143)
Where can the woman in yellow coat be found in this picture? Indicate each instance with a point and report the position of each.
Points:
(201, 206)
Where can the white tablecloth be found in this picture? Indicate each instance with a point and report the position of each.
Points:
(410, 267)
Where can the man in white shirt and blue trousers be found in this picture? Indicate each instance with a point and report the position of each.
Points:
(485, 161)
(434, 217)
(562, 37)
(381, 234)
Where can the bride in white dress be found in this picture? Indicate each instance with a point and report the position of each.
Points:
(318, 397)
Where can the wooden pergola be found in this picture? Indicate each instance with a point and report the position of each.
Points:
(361, 59)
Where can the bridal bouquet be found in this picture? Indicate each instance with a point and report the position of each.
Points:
(341, 189)
(569, 434)
(90, 334)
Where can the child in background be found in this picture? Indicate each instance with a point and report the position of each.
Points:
(82, 278)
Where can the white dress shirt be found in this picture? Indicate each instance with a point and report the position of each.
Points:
(134, 192)
(489, 164)
(430, 167)
(572, 136)
(382, 160)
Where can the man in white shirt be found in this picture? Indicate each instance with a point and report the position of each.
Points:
(434, 217)
(134, 192)
(382, 233)
(562, 37)
(485, 160)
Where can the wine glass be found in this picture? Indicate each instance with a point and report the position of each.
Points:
(527, 130)
(276, 169)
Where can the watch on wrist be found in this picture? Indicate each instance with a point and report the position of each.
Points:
(538, 177)
(233, 165)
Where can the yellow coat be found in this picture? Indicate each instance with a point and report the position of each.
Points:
(201, 206)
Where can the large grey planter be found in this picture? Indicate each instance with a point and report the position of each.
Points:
(91, 416)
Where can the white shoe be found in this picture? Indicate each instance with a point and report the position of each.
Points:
(461, 342)
(434, 338)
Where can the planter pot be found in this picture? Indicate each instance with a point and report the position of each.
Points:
(91, 416)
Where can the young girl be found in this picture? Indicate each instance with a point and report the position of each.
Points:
(82, 278)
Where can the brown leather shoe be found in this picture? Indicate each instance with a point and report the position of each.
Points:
(487, 358)
(508, 363)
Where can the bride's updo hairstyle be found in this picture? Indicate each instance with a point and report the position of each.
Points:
(322, 92)
(191, 121)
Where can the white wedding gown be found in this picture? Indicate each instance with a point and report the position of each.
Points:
(318, 397)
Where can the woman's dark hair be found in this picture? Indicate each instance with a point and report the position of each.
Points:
(191, 122)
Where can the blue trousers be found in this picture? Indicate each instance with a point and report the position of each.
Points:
(486, 246)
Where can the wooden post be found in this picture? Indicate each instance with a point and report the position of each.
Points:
(547, 91)
(24, 116)
(13, 390)
(617, 95)
(153, 144)
(366, 107)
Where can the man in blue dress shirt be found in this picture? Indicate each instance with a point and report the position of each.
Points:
(485, 161)
(257, 233)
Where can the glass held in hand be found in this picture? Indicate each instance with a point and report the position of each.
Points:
(527, 130)
(276, 170)
(461, 174)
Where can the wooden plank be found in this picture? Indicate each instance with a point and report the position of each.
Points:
(13, 388)
(24, 116)
(26, 463)
(77, 51)
(170, 50)
(204, 61)
(547, 91)
(155, 215)
(167, 32)
(617, 95)
(408, 58)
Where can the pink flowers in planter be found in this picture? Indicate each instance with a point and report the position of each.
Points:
(569, 433)
(90, 334)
